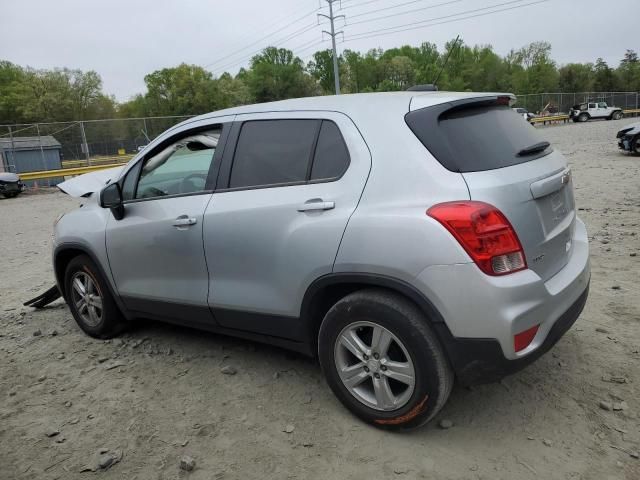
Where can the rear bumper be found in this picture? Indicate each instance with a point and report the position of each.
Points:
(477, 361)
(482, 314)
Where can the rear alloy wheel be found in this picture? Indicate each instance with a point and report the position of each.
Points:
(583, 117)
(90, 300)
(368, 368)
(383, 361)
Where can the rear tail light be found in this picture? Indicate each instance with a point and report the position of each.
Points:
(485, 233)
(523, 339)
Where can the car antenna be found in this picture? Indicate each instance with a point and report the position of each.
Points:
(455, 43)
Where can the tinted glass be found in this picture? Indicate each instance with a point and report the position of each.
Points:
(180, 168)
(332, 157)
(476, 138)
(272, 152)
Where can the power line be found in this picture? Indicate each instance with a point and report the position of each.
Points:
(359, 4)
(404, 4)
(293, 22)
(243, 59)
(384, 17)
(421, 24)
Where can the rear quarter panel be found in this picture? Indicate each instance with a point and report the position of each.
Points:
(390, 233)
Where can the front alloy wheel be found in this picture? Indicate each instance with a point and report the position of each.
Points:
(374, 366)
(87, 298)
(90, 300)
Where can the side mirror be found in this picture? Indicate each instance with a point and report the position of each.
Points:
(111, 197)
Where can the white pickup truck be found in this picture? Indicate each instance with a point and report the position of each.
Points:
(586, 111)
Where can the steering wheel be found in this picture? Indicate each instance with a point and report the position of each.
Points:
(187, 185)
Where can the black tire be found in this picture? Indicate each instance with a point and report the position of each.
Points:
(583, 117)
(110, 321)
(433, 375)
(11, 195)
(617, 115)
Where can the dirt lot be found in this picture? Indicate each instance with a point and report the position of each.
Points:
(158, 393)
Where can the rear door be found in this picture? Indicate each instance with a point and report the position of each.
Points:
(508, 164)
(289, 183)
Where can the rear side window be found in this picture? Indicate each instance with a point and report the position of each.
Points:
(475, 138)
(271, 152)
(332, 157)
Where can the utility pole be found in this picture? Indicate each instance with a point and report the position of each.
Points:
(331, 17)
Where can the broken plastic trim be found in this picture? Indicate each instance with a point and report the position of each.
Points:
(44, 299)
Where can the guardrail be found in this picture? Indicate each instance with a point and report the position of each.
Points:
(65, 172)
(635, 111)
(550, 118)
(97, 161)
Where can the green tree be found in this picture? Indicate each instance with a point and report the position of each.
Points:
(182, 90)
(629, 72)
(321, 68)
(277, 74)
(577, 77)
(604, 77)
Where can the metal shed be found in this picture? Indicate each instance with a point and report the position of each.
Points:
(31, 154)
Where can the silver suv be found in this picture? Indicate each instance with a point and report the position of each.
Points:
(406, 239)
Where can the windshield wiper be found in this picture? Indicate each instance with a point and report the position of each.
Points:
(535, 148)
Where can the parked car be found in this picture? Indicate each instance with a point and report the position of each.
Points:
(526, 114)
(629, 138)
(586, 111)
(10, 184)
(357, 228)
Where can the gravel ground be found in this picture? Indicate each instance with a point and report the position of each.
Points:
(138, 404)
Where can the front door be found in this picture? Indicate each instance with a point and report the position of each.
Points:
(293, 181)
(156, 251)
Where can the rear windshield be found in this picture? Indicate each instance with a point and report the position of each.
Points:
(475, 138)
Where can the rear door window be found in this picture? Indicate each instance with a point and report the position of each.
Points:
(332, 156)
(476, 138)
(273, 152)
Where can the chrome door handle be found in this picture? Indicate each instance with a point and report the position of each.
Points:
(184, 221)
(314, 205)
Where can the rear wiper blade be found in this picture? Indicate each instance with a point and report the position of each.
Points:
(535, 148)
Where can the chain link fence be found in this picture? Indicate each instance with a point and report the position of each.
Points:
(561, 103)
(51, 146)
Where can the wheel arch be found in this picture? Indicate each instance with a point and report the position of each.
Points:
(325, 291)
(64, 253)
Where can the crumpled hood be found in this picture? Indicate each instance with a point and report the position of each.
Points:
(85, 185)
(9, 177)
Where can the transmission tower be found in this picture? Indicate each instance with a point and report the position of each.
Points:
(331, 17)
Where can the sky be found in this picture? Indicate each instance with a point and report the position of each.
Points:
(123, 40)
